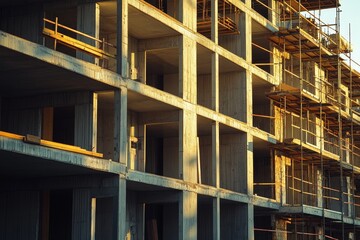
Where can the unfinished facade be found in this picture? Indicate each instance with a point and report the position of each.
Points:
(162, 119)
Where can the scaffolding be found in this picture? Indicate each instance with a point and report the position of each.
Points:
(320, 122)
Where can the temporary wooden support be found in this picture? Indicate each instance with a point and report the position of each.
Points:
(54, 145)
(198, 159)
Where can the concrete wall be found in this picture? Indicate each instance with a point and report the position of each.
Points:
(105, 128)
(19, 215)
(204, 90)
(231, 95)
(205, 143)
(230, 162)
(26, 214)
(171, 157)
(25, 115)
(25, 21)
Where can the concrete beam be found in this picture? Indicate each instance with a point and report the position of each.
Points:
(157, 197)
(159, 43)
(120, 206)
(60, 156)
(159, 117)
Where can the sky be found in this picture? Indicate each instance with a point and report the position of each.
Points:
(349, 19)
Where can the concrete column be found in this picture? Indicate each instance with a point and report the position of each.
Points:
(216, 178)
(188, 172)
(245, 50)
(187, 13)
(319, 178)
(122, 42)
(280, 226)
(273, 12)
(1, 127)
(120, 209)
(245, 223)
(187, 68)
(247, 183)
(188, 123)
(88, 22)
(188, 215)
(280, 178)
(120, 126)
(214, 20)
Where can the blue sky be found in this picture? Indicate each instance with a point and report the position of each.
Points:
(349, 16)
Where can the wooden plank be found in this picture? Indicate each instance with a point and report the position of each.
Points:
(69, 148)
(11, 135)
(48, 123)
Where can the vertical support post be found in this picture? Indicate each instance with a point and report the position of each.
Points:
(56, 30)
(93, 218)
(188, 215)
(122, 39)
(120, 206)
(247, 139)
(215, 126)
(188, 122)
(94, 122)
(214, 21)
(88, 22)
(216, 178)
(187, 13)
(280, 225)
(187, 74)
(187, 148)
(319, 178)
(120, 128)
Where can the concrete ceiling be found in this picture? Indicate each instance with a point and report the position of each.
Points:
(141, 26)
(141, 103)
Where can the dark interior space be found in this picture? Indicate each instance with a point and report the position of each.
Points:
(260, 7)
(60, 214)
(104, 218)
(154, 153)
(263, 223)
(64, 125)
(153, 222)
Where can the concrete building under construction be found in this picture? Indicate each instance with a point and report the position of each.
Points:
(177, 119)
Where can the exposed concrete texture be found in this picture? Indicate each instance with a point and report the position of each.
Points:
(196, 135)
